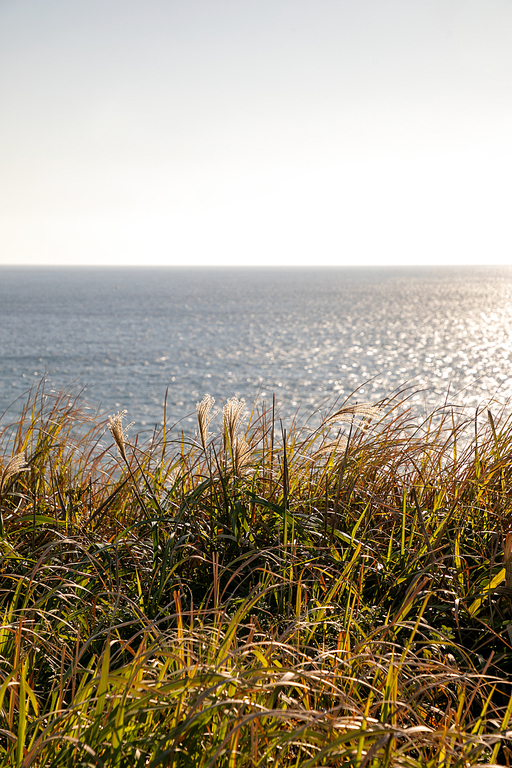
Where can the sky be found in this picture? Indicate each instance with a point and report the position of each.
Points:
(255, 132)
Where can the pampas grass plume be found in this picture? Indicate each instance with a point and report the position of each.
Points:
(204, 417)
(233, 411)
(15, 465)
(348, 412)
(118, 433)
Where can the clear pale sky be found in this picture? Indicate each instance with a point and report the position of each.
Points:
(289, 132)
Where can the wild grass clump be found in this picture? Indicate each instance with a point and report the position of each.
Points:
(256, 596)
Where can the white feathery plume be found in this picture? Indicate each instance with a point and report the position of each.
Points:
(204, 417)
(242, 455)
(118, 433)
(233, 412)
(348, 412)
(333, 446)
(15, 465)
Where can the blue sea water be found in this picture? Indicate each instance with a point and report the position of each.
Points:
(126, 335)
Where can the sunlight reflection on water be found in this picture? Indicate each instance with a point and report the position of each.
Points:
(308, 335)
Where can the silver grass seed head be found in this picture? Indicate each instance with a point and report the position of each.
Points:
(348, 412)
(204, 416)
(242, 455)
(233, 413)
(15, 465)
(333, 446)
(118, 433)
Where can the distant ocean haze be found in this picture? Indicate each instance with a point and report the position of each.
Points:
(310, 336)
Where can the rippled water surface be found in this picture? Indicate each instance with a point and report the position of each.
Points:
(307, 335)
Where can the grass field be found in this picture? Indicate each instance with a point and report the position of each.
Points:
(254, 596)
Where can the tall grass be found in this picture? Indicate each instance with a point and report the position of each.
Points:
(254, 595)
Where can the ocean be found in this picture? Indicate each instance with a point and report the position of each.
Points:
(126, 336)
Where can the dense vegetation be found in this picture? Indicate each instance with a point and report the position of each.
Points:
(254, 596)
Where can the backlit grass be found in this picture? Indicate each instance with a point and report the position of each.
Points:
(256, 594)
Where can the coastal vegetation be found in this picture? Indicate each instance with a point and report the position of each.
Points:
(329, 592)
